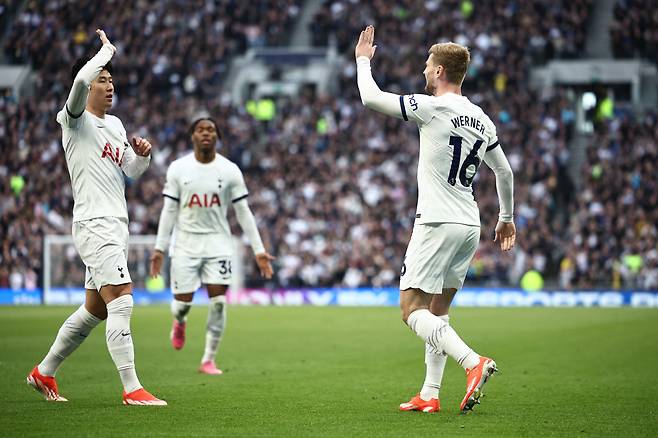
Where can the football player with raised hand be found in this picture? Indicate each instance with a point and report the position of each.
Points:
(456, 136)
(98, 154)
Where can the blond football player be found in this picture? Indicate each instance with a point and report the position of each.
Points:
(456, 136)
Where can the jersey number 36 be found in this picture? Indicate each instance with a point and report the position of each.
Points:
(224, 267)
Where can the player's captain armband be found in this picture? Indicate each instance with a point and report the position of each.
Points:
(417, 107)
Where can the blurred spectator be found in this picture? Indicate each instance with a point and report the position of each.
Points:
(333, 186)
(634, 29)
(614, 222)
(507, 29)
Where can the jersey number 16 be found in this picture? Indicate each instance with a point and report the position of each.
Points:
(472, 159)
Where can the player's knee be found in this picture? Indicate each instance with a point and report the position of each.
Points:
(406, 307)
(439, 308)
(95, 305)
(124, 289)
(405, 311)
(122, 305)
(111, 292)
(100, 314)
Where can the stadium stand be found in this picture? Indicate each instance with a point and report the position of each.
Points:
(333, 186)
(634, 30)
(614, 223)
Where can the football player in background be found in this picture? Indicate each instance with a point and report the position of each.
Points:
(197, 193)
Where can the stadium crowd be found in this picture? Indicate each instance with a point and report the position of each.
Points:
(522, 32)
(332, 186)
(614, 222)
(170, 53)
(534, 129)
(634, 30)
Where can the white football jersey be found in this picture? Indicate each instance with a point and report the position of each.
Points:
(454, 136)
(203, 192)
(95, 150)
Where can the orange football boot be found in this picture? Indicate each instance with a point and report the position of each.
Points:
(46, 385)
(418, 404)
(142, 397)
(475, 380)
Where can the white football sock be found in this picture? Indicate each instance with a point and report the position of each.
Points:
(439, 335)
(435, 363)
(120, 342)
(72, 333)
(180, 309)
(215, 327)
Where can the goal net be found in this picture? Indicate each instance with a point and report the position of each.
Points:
(64, 272)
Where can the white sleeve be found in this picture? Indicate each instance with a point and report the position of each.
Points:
(77, 100)
(371, 96)
(495, 158)
(168, 218)
(248, 224)
(171, 188)
(238, 186)
(418, 107)
(493, 138)
(133, 165)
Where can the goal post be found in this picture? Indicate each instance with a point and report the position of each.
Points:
(64, 272)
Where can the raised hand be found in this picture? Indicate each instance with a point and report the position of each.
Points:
(141, 146)
(364, 47)
(506, 235)
(102, 36)
(263, 261)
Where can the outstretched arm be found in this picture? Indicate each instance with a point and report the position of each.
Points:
(371, 95)
(77, 100)
(505, 229)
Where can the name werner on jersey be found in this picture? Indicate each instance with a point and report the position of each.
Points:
(468, 122)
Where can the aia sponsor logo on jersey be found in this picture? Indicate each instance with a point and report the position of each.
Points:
(204, 200)
(112, 155)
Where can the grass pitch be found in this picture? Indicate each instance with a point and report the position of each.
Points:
(342, 372)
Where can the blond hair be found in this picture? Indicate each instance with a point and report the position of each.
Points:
(454, 58)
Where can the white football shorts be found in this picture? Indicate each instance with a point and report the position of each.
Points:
(103, 247)
(188, 273)
(438, 256)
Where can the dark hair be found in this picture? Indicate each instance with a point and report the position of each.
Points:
(201, 119)
(81, 63)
